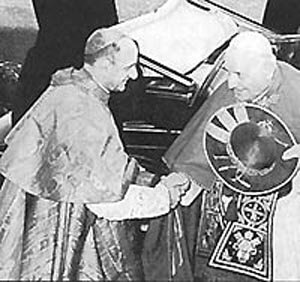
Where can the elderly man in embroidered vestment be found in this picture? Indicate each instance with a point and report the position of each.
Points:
(254, 76)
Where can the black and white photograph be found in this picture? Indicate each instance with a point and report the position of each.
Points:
(150, 140)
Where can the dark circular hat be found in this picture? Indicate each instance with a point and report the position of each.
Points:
(244, 144)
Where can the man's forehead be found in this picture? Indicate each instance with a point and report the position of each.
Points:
(237, 60)
(128, 51)
(253, 42)
(247, 47)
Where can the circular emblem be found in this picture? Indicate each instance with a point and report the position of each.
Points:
(244, 144)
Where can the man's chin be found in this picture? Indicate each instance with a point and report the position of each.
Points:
(240, 96)
(119, 89)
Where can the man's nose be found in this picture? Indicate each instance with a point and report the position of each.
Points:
(133, 73)
(232, 80)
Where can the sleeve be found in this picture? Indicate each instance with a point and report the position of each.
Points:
(67, 149)
(191, 194)
(139, 202)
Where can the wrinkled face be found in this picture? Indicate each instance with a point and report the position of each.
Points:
(124, 66)
(247, 75)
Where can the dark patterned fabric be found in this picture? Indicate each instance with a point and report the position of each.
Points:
(187, 155)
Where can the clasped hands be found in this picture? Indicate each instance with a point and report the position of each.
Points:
(146, 202)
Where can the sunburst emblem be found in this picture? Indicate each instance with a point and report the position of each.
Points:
(244, 144)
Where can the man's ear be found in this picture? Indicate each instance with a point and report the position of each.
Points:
(103, 62)
(108, 60)
(270, 66)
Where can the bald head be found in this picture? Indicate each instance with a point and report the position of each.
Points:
(251, 63)
(250, 42)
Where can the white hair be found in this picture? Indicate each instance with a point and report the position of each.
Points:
(254, 45)
(252, 42)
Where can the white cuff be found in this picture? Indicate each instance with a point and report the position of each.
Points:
(139, 202)
(191, 194)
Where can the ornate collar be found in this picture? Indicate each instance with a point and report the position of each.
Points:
(82, 79)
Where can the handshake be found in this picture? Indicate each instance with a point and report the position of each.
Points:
(145, 202)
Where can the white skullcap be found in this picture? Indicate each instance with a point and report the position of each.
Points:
(102, 38)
